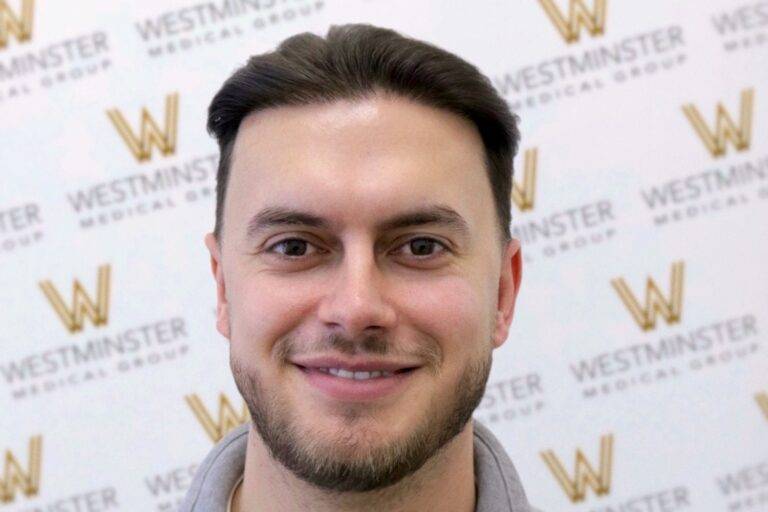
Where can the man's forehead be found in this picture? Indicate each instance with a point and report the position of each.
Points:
(417, 166)
(384, 118)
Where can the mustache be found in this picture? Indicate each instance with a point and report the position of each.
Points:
(373, 343)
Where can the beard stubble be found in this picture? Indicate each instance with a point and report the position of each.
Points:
(349, 463)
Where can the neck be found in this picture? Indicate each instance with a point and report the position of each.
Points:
(446, 482)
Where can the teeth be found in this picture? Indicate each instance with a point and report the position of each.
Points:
(346, 374)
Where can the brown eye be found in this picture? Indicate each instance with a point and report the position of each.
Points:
(293, 247)
(423, 247)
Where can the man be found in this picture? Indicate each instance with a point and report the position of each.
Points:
(365, 272)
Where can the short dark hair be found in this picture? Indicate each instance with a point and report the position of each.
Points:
(354, 61)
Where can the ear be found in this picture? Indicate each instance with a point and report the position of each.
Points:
(222, 306)
(509, 285)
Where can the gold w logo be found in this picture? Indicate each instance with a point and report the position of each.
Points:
(655, 302)
(150, 133)
(762, 402)
(725, 128)
(584, 475)
(19, 26)
(14, 477)
(523, 196)
(82, 304)
(227, 420)
(578, 15)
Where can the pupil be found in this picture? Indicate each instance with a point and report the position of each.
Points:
(292, 244)
(421, 243)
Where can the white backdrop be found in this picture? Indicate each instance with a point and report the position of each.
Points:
(645, 131)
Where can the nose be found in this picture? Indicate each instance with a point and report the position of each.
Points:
(356, 301)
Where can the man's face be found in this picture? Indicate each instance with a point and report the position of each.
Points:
(437, 296)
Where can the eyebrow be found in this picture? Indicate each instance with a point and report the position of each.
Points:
(435, 214)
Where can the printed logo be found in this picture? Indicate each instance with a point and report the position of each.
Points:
(150, 133)
(594, 64)
(228, 418)
(549, 233)
(154, 189)
(585, 475)
(655, 302)
(89, 359)
(578, 15)
(82, 305)
(762, 402)
(736, 182)
(745, 489)
(725, 128)
(742, 27)
(21, 226)
(28, 66)
(523, 195)
(18, 25)
(188, 26)
(16, 478)
(169, 487)
(511, 398)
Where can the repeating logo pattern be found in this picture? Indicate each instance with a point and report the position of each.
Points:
(639, 196)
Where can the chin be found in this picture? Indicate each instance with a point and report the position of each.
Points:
(353, 428)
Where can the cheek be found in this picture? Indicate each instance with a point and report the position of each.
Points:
(264, 309)
(451, 310)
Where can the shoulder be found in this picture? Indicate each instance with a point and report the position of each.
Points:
(496, 478)
(218, 473)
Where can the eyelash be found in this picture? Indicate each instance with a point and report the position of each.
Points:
(270, 249)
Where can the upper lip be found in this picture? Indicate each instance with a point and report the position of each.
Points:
(367, 365)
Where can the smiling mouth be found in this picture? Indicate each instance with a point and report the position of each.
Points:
(358, 386)
(355, 375)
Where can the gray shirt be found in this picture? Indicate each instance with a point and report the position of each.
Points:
(498, 486)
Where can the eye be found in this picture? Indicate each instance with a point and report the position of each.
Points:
(421, 247)
(292, 247)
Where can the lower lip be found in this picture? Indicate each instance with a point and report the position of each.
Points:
(340, 388)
